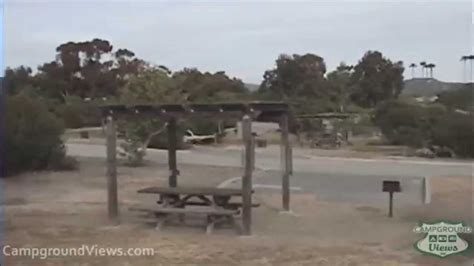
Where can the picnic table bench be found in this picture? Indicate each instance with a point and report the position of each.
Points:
(214, 203)
(214, 216)
(207, 196)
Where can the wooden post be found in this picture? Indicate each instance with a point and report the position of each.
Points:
(286, 162)
(112, 197)
(247, 178)
(172, 143)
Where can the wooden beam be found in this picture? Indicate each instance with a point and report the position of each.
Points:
(112, 195)
(247, 178)
(172, 146)
(223, 110)
(286, 162)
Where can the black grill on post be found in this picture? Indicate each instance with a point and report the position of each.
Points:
(391, 187)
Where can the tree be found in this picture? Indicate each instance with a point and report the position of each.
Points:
(17, 78)
(161, 86)
(430, 66)
(465, 58)
(423, 67)
(339, 83)
(196, 86)
(375, 79)
(413, 66)
(87, 69)
(300, 81)
(295, 76)
(150, 86)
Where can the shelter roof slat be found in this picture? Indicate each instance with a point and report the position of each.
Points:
(197, 109)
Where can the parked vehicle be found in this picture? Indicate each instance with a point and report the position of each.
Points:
(190, 137)
(327, 141)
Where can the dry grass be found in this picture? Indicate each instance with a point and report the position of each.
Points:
(54, 209)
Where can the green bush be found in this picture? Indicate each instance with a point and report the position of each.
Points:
(409, 136)
(455, 131)
(71, 115)
(426, 126)
(404, 123)
(77, 113)
(32, 136)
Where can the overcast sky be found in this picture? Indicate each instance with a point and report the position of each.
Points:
(244, 38)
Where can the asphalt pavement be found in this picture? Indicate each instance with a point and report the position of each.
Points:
(329, 178)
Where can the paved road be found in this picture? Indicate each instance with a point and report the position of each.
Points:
(306, 164)
(347, 179)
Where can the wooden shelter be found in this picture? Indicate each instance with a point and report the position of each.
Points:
(257, 111)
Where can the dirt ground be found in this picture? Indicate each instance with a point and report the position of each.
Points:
(68, 209)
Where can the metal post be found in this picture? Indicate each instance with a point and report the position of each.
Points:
(172, 143)
(247, 178)
(390, 207)
(426, 190)
(286, 161)
(112, 195)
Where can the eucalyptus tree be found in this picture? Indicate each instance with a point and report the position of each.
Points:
(375, 79)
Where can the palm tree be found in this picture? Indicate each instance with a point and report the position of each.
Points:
(423, 65)
(430, 66)
(464, 59)
(469, 58)
(412, 66)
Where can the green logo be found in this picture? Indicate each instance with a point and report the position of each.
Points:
(442, 238)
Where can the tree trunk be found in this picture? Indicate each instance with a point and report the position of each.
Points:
(471, 71)
(150, 137)
(464, 71)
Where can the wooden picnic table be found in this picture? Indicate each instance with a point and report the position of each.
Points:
(207, 196)
(212, 191)
(215, 203)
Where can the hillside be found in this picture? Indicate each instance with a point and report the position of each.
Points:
(428, 86)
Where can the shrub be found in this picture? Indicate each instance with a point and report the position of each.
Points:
(455, 131)
(461, 98)
(59, 161)
(417, 126)
(32, 136)
(71, 115)
(410, 136)
(77, 113)
(404, 123)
